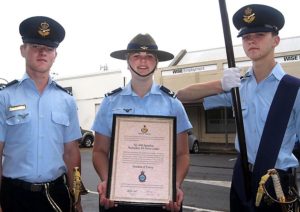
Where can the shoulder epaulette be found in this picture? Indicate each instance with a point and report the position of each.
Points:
(8, 84)
(113, 92)
(245, 76)
(65, 90)
(167, 91)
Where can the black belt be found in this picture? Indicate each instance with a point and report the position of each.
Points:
(33, 187)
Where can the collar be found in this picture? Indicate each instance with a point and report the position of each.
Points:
(26, 77)
(128, 90)
(277, 72)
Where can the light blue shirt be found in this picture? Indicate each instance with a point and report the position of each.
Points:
(34, 128)
(155, 102)
(256, 100)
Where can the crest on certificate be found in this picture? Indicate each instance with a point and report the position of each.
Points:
(142, 177)
(144, 129)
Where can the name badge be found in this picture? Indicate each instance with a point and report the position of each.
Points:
(17, 107)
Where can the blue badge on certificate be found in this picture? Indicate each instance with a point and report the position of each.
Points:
(142, 177)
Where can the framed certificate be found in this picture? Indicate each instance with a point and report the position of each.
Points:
(142, 160)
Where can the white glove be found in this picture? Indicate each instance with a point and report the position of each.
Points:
(231, 78)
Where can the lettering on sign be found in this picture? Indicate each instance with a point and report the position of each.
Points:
(291, 57)
(288, 58)
(189, 70)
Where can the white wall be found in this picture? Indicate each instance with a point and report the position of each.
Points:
(89, 91)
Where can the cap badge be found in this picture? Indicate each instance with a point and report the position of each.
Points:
(44, 29)
(144, 47)
(249, 16)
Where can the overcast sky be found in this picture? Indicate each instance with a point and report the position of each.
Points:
(95, 28)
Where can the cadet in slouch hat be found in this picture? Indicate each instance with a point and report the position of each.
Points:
(146, 44)
(142, 43)
(141, 96)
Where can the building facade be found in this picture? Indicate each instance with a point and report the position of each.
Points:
(89, 90)
(213, 126)
(218, 125)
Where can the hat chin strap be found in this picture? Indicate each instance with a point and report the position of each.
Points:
(141, 74)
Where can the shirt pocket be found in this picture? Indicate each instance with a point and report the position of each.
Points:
(60, 118)
(18, 118)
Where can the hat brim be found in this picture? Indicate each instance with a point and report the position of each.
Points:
(248, 30)
(41, 42)
(161, 55)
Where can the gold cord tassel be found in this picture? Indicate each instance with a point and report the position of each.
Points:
(260, 190)
(78, 187)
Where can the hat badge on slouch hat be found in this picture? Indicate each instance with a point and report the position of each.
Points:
(142, 43)
(257, 18)
(42, 30)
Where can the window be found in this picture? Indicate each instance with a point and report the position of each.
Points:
(217, 119)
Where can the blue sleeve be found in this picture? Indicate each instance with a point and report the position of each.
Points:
(220, 100)
(101, 123)
(182, 121)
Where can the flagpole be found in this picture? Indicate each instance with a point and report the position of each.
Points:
(236, 100)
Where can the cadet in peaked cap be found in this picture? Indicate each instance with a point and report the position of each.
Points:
(261, 93)
(258, 18)
(42, 30)
(259, 26)
(25, 186)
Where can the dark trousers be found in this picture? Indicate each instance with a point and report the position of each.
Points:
(238, 204)
(18, 197)
(134, 209)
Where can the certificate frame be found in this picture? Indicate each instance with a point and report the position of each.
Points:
(141, 146)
